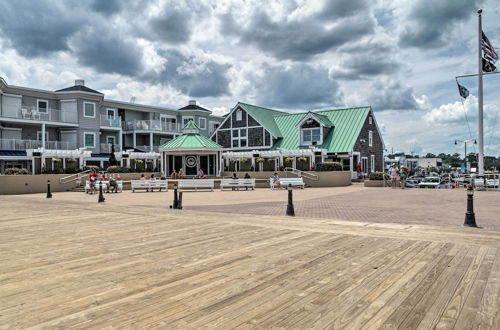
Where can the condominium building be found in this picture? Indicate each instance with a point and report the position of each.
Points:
(45, 130)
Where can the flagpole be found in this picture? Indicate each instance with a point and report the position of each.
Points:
(480, 164)
(475, 74)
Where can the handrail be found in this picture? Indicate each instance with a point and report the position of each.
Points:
(300, 173)
(72, 177)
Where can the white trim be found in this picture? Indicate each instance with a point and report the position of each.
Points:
(310, 143)
(38, 107)
(87, 133)
(370, 119)
(11, 128)
(370, 138)
(68, 100)
(114, 113)
(13, 95)
(363, 167)
(199, 123)
(372, 163)
(378, 129)
(84, 115)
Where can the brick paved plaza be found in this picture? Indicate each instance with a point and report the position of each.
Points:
(231, 260)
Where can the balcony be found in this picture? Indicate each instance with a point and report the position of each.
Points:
(110, 122)
(148, 148)
(106, 148)
(32, 113)
(17, 144)
(151, 126)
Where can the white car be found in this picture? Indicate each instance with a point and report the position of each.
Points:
(430, 182)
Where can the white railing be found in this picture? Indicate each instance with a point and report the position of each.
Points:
(148, 148)
(301, 174)
(151, 125)
(17, 144)
(106, 148)
(110, 122)
(77, 177)
(32, 113)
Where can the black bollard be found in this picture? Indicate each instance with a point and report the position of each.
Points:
(175, 204)
(101, 196)
(49, 194)
(470, 217)
(289, 208)
(179, 204)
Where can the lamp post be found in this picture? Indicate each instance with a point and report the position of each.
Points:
(470, 218)
(289, 208)
(465, 151)
(101, 196)
(175, 203)
(49, 194)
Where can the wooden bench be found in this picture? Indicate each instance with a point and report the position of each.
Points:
(237, 183)
(196, 184)
(104, 186)
(158, 184)
(284, 182)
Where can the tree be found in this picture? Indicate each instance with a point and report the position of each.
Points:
(430, 155)
(112, 158)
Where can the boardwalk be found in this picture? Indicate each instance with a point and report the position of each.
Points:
(66, 263)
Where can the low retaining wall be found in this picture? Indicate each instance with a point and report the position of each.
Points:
(33, 184)
(374, 183)
(325, 179)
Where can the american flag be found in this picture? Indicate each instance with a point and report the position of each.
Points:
(489, 53)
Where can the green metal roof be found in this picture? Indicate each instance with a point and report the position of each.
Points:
(322, 118)
(191, 125)
(346, 126)
(264, 116)
(191, 141)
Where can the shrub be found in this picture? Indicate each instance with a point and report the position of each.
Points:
(377, 176)
(328, 166)
(118, 169)
(16, 171)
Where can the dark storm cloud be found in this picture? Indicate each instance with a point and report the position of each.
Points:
(107, 52)
(173, 26)
(192, 76)
(299, 86)
(429, 22)
(36, 28)
(386, 94)
(107, 7)
(297, 40)
(341, 8)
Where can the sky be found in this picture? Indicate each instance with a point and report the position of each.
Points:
(398, 56)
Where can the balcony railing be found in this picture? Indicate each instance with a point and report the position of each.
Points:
(151, 125)
(110, 122)
(32, 113)
(17, 144)
(148, 148)
(106, 148)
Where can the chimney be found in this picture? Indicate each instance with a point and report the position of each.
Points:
(79, 82)
(192, 102)
(132, 99)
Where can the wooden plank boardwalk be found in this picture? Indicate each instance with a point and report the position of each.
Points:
(66, 265)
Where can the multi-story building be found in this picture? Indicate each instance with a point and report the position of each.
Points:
(76, 126)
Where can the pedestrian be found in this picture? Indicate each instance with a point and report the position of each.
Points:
(394, 173)
(235, 181)
(403, 175)
(276, 179)
(173, 175)
(359, 170)
(247, 176)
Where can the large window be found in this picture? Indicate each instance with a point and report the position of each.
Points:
(370, 138)
(89, 140)
(202, 122)
(239, 138)
(89, 110)
(311, 135)
(111, 113)
(42, 106)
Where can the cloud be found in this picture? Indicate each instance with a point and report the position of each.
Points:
(173, 26)
(428, 23)
(107, 7)
(298, 86)
(107, 52)
(36, 28)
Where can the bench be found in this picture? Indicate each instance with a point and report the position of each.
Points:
(237, 183)
(196, 184)
(104, 186)
(284, 182)
(148, 184)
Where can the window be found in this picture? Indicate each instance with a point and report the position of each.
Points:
(110, 113)
(235, 133)
(89, 140)
(372, 163)
(239, 114)
(39, 135)
(364, 164)
(202, 122)
(89, 110)
(186, 120)
(370, 138)
(311, 135)
(370, 120)
(111, 140)
(239, 137)
(42, 106)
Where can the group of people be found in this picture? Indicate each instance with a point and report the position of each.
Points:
(180, 174)
(151, 177)
(235, 177)
(110, 182)
(398, 176)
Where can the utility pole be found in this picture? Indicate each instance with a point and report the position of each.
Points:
(480, 160)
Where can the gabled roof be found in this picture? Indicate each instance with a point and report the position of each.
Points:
(191, 141)
(264, 116)
(78, 88)
(191, 125)
(347, 124)
(194, 107)
(321, 118)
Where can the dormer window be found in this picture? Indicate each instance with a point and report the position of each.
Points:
(311, 136)
(239, 114)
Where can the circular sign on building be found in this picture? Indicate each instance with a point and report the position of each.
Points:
(191, 161)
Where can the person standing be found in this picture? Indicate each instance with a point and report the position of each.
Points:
(402, 176)
(394, 172)
(359, 170)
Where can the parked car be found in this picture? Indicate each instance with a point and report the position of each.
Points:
(412, 183)
(430, 182)
(417, 179)
(478, 181)
(492, 183)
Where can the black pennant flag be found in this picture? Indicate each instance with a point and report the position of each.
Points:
(464, 92)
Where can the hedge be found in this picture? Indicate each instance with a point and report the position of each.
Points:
(16, 171)
(377, 176)
(118, 169)
(328, 166)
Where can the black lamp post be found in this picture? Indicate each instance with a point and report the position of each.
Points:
(175, 204)
(101, 196)
(470, 218)
(289, 208)
(49, 194)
